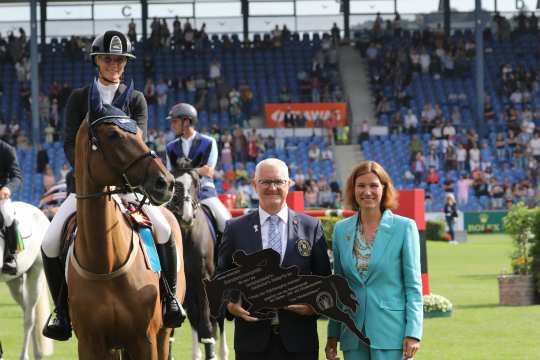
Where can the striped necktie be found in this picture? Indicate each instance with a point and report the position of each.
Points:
(274, 235)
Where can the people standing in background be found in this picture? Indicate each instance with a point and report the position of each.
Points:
(450, 214)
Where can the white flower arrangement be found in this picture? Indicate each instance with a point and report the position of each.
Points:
(434, 302)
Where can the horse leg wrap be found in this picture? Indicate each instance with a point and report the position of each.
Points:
(209, 352)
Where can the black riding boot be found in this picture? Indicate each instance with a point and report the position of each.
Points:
(57, 327)
(173, 313)
(11, 236)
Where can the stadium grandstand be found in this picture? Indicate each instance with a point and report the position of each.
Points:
(446, 100)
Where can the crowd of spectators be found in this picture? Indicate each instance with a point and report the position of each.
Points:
(502, 166)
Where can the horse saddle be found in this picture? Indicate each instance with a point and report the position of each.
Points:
(139, 221)
(212, 223)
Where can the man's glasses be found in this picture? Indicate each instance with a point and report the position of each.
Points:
(268, 182)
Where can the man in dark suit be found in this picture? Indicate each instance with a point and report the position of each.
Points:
(299, 239)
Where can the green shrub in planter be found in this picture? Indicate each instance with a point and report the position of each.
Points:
(435, 230)
(328, 223)
(535, 250)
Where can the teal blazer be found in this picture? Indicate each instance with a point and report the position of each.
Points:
(390, 298)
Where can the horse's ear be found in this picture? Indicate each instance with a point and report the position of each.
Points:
(122, 102)
(95, 104)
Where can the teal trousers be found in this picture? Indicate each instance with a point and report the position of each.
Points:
(365, 353)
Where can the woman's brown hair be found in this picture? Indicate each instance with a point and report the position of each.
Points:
(390, 194)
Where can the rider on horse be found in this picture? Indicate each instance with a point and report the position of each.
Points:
(109, 53)
(10, 180)
(202, 153)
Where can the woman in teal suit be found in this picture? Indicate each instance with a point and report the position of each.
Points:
(378, 253)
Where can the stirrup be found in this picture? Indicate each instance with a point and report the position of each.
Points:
(57, 328)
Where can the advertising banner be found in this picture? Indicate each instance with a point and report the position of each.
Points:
(314, 114)
(484, 221)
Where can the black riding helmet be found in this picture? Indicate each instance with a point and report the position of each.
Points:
(184, 110)
(111, 42)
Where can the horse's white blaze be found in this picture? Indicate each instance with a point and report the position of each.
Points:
(187, 209)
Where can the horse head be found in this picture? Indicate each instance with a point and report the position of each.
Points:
(185, 201)
(344, 292)
(110, 151)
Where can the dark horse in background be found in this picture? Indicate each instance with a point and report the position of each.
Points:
(199, 262)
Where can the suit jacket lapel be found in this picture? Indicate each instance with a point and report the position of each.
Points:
(348, 259)
(119, 91)
(382, 239)
(292, 236)
(254, 231)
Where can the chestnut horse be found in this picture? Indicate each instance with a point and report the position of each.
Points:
(114, 297)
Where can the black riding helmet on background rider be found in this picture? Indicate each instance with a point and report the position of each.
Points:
(182, 117)
(110, 52)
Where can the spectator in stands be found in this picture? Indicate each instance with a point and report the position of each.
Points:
(411, 122)
(161, 91)
(314, 153)
(132, 31)
(432, 159)
(418, 168)
(432, 176)
(22, 69)
(450, 158)
(284, 95)
(239, 145)
(496, 193)
(150, 92)
(42, 159)
(463, 189)
(485, 156)
(474, 157)
(247, 100)
(327, 154)
(396, 123)
(164, 33)
(448, 184)
(311, 196)
(214, 71)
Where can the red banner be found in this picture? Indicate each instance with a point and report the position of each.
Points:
(313, 114)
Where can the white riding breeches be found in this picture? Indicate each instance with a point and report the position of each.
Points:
(220, 211)
(52, 238)
(8, 211)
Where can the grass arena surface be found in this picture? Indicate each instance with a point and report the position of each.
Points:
(465, 273)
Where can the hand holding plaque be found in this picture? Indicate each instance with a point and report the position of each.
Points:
(266, 287)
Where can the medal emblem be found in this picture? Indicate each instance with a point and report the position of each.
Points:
(303, 247)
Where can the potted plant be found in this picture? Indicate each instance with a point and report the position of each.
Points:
(437, 306)
(518, 288)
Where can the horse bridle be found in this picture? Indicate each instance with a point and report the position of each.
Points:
(195, 203)
(95, 145)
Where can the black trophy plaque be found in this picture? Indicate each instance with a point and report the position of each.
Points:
(266, 287)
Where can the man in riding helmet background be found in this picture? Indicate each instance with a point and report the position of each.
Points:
(202, 152)
(10, 180)
(110, 53)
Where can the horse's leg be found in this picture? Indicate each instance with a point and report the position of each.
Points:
(163, 343)
(143, 348)
(42, 345)
(18, 290)
(195, 350)
(223, 349)
(35, 291)
(92, 348)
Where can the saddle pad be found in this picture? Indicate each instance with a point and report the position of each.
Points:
(148, 241)
(211, 222)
